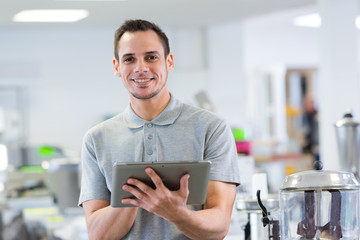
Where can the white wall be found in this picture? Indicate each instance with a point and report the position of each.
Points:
(191, 74)
(225, 57)
(273, 39)
(77, 87)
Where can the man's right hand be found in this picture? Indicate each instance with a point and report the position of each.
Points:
(160, 201)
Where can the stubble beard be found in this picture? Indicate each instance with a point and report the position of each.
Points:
(151, 95)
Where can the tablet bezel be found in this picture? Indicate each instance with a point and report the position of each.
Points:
(170, 172)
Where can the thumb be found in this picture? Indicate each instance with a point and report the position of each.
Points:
(184, 185)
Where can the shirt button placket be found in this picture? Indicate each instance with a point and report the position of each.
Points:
(149, 143)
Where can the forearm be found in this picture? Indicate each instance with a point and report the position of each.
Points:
(214, 220)
(204, 224)
(110, 223)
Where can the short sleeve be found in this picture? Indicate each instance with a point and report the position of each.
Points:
(93, 183)
(220, 149)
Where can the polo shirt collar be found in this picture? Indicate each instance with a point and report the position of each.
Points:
(166, 117)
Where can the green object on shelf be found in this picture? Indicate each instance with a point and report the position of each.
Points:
(46, 151)
(239, 134)
(32, 169)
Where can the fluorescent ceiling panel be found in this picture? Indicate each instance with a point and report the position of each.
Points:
(51, 15)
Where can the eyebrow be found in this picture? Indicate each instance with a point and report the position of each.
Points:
(146, 53)
(127, 55)
(153, 52)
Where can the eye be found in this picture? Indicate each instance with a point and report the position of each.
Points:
(151, 58)
(128, 59)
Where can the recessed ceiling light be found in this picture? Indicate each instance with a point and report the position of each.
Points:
(51, 15)
(309, 20)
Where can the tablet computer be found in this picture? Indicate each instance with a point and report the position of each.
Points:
(169, 172)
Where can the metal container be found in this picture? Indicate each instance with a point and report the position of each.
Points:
(63, 181)
(254, 228)
(348, 140)
(320, 205)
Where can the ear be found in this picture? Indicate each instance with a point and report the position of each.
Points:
(170, 62)
(116, 67)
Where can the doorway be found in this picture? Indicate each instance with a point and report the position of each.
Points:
(302, 108)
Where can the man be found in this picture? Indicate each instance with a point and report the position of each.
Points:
(155, 127)
(310, 126)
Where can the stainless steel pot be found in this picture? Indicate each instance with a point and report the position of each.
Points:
(348, 139)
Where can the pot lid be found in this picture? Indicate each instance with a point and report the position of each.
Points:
(320, 179)
(347, 120)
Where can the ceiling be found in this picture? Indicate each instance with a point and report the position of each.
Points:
(163, 12)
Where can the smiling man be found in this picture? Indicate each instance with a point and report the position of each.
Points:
(155, 127)
(144, 73)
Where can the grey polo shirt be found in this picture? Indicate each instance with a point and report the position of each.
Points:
(180, 133)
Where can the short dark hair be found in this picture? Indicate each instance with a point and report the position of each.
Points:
(139, 25)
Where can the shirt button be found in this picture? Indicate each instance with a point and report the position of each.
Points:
(150, 137)
(149, 125)
(150, 152)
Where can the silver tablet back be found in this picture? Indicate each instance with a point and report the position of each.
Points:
(170, 173)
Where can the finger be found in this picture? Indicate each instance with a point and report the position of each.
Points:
(184, 185)
(144, 189)
(141, 196)
(136, 203)
(132, 201)
(128, 188)
(141, 199)
(155, 178)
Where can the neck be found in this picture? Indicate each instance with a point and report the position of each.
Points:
(149, 109)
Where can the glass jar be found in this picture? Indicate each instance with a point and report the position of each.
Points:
(320, 205)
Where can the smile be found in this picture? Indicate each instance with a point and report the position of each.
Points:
(142, 80)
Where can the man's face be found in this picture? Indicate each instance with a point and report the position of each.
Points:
(142, 64)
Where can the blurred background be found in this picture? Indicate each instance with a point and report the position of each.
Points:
(281, 72)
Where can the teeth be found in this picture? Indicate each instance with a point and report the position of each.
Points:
(142, 80)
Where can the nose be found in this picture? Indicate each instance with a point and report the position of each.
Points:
(141, 66)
